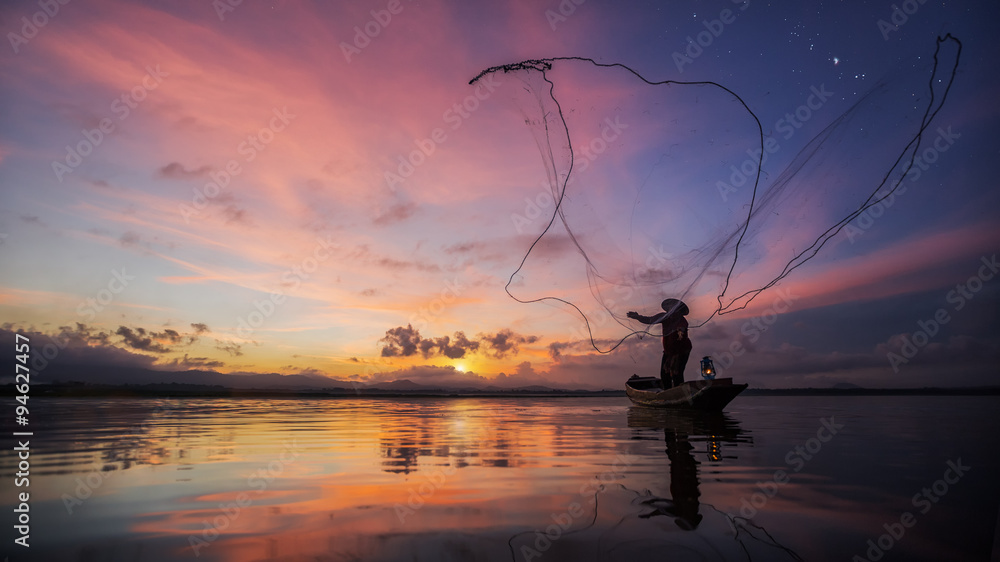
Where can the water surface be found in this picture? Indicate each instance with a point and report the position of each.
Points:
(773, 478)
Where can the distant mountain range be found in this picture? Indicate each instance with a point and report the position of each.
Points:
(109, 376)
(110, 380)
(112, 375)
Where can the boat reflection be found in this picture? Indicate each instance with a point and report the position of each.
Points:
(683, 433)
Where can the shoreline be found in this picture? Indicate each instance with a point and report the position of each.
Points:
(79, 390)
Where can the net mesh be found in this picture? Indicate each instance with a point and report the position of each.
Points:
(668, 189)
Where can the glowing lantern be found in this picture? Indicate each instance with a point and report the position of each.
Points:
(707, 368)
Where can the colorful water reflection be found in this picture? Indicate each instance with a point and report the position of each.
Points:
(499, 479)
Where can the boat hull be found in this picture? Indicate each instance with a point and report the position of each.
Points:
(710, 395)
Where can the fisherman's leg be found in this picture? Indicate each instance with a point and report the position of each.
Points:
(672, 370)
(678, 370)
(665, 371)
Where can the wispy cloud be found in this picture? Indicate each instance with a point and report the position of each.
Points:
(177, 171)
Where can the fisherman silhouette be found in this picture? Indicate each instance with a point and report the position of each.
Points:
(676, 345)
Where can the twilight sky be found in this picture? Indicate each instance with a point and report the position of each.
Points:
(199, 185)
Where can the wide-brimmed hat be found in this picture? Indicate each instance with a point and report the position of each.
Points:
(675, 306)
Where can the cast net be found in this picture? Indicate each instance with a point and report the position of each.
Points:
(680, 189)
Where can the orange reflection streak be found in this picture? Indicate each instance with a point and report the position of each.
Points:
(364, 478)
(352, 470)
(388, 479)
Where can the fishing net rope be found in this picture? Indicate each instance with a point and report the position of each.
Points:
(671, 189)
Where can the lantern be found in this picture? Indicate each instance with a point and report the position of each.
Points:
(707, 368)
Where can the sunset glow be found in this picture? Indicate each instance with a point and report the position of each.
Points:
(184, 189)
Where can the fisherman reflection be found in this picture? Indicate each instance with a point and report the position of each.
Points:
(679, 430)
(683, 483)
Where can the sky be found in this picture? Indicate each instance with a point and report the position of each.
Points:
(315, 188)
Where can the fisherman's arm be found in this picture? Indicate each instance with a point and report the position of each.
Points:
(646, 319)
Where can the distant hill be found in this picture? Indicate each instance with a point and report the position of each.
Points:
(534, 388)
(402, 384)
(150, 378)
(184, 390)
(78, 380)
(135, 376)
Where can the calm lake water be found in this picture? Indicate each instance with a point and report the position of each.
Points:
(773, 478)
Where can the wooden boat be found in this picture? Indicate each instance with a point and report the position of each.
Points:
(711, 394)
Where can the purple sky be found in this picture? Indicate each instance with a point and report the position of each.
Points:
(188, 188)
